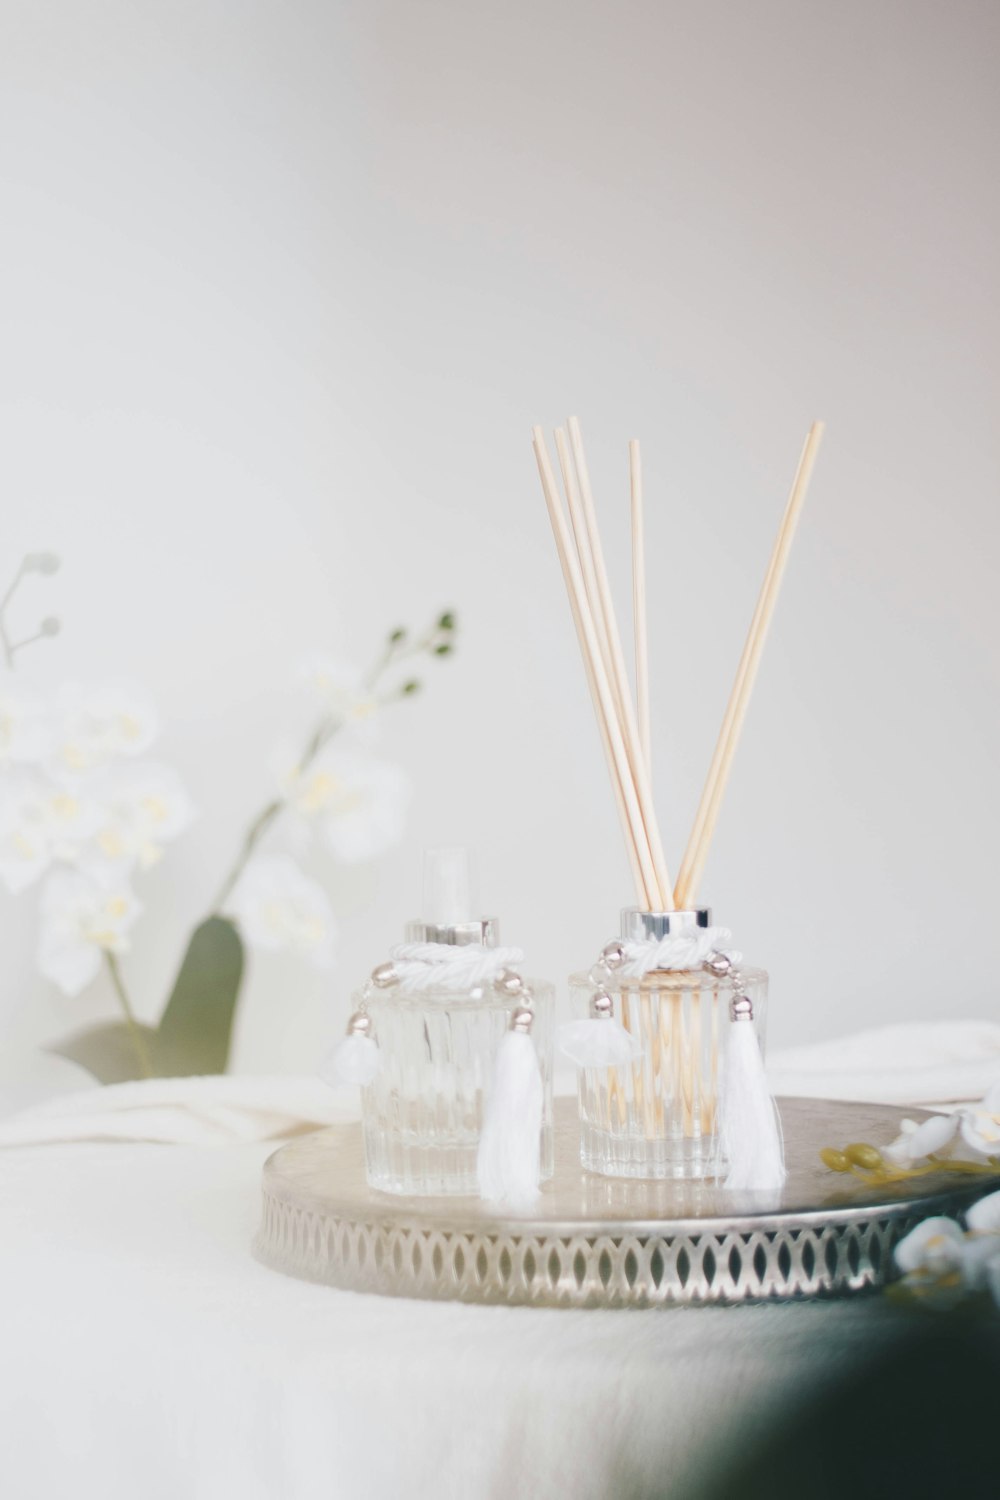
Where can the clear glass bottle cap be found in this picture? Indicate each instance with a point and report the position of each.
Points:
(449, 901)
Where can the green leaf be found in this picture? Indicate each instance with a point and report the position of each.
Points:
(196, 1027)
(108, 1051)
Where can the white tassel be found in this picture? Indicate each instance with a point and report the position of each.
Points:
(355, 1059)
(597, 1044)
(509, 1161)
(749, 1124)
(599, 1041)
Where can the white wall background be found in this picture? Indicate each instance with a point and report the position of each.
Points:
(284, 285)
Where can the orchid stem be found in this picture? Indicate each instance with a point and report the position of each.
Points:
(318, 740)
(256, 832)
(135, 1032)
(8, 647)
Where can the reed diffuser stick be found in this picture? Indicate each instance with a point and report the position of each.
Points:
(606, 605)
(700, 840)
(639, 627)
(585, 552)
(581, 537)
(629, 728)
(633, 826)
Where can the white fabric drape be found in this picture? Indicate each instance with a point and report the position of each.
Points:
(934, 1063)
(144, 1353)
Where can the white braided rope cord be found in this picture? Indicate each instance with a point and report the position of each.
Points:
(448, 966)
(687, 950)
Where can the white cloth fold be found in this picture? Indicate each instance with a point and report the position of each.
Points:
(208, 1111)
(934, 1063)
(922, 1062)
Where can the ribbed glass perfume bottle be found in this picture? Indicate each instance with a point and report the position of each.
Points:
(423, 1110)
(656, 1116)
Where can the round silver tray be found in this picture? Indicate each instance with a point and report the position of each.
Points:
(599, 1241)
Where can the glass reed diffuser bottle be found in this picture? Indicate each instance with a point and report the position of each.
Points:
(662, 1001)
(656, 1097)
(425, 1039)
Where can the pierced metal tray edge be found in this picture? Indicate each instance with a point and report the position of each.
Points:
(412, 1248)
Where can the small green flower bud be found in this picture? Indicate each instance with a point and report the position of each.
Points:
(445, 649)
(413, 686)
(446, 621)
(398, 635)
(835, 1160)
(863, 1156)
(41, 562)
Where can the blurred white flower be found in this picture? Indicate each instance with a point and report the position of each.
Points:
(99, 724)
(984, 1216)
(41, 821)
(339, 688)
(980, 1128)
(930, 1137)
(981, 1258)
(80, 920)
(938, 1257)
(932, 1249)
(359, 805)
(25, 731)
(369, 814)
(280, 908)
(144, 806)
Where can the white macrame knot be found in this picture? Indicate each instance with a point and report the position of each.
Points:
(449, 966)
(681, 951)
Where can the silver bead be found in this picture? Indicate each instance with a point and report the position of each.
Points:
(613, 955)
(741, 1008)
(384, 976)
(522, 1020)
(602, 1007)
(718, 964)
(509, 982)
(360, 1024)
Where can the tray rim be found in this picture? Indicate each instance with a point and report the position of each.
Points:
(387, 1210)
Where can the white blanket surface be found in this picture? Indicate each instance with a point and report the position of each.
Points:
(145, 1353)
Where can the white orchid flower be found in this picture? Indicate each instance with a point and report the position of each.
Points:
(145, 806)
(367, 815)
(80, 921)
(339, 688)
(984, 1216)
(932, 1249)
(981, 1250)
(358, 804)
(100, 724)
(915, 1142)
(279, 908)
(41, 822)
(980, 1125)
(25, 731)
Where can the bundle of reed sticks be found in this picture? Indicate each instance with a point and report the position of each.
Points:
(624, 720)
